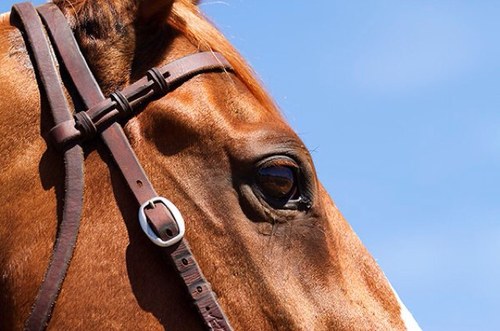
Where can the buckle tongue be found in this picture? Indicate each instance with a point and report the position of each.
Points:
(149, 231)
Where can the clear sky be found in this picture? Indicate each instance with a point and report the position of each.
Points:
(400, 103)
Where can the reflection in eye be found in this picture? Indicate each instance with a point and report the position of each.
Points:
(276, 179)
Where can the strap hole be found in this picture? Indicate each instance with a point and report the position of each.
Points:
(207, 308)
(185, 261)
(139, 183)
(199, 289)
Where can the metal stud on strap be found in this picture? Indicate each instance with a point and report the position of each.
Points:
(149, 231)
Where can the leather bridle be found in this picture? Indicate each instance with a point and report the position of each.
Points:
(159, 218)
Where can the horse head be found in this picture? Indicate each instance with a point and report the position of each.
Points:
(274, 246)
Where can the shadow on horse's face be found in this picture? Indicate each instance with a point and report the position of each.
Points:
(274, 246)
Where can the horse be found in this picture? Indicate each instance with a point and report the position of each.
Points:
(275, 248)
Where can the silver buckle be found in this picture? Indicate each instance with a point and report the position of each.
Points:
(147, 228)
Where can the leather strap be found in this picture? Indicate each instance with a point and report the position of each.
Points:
(73, 161)
(157, 82)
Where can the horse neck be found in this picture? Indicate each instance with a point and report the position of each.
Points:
(19, 96)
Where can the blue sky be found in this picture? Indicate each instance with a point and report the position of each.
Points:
(399, 102)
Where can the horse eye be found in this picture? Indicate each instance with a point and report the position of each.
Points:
(276, 179)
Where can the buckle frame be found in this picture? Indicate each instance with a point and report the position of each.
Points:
(179, 220)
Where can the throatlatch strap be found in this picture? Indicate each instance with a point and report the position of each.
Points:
(67, 234)
(157, 81)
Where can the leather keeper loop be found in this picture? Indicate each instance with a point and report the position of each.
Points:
(122, 103)
(85, 125)
(64, 133)
(160, 86)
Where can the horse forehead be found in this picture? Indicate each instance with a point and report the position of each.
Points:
(219, 103)
(227, 97)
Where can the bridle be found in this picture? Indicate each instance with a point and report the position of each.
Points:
(159, 218)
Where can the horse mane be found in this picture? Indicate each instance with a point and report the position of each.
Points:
(188, 20)
(4, 18)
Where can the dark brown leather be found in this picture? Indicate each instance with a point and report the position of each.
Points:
(198, 287)
(100, 118)
(25, 15)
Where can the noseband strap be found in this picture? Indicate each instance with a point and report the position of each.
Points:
(100, 119)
